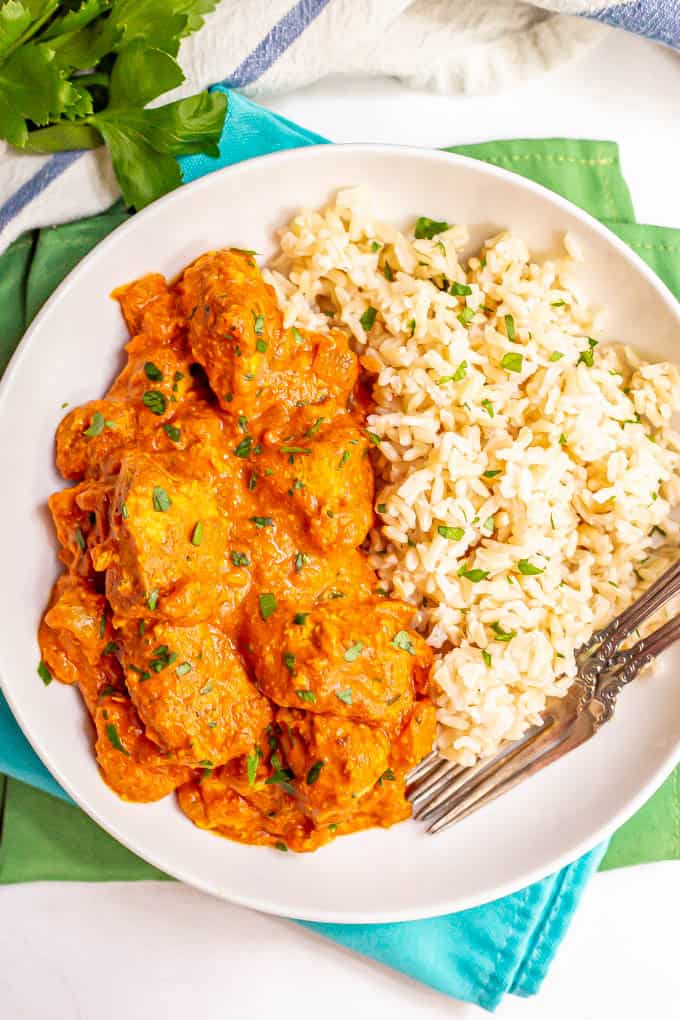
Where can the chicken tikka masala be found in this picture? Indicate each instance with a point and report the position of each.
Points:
(225, 630)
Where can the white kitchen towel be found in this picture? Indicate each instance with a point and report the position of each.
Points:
(272, 46)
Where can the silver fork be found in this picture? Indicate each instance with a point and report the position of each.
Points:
(443, 793)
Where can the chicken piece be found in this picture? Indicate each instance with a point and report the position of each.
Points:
(129, 762)
(325, 478)
(192, 692)
(91, 439)
(170, 537)
(155, 379)
(149, 306)
(333, 759)
(416, 738)
(235, 326)
(236, 333)
(78, 514)
(353, 659)
(268, 818)
(75, 639)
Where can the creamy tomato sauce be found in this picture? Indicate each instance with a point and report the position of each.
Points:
(227, 634)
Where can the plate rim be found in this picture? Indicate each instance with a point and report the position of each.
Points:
(184, 874)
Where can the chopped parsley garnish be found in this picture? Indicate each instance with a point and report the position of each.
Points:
(460, 289)
(367, 320)
(295, 449)
(562, 439)
(512, 361)
(402, 641)
(152, 600)
(110, 649)
(488, 407)
(262, 522)
(102, 625)
(426, 228)
(124, 511)
(489, 524)
(243, 422)
(374, 439)
(183, 668)
(486, 657)
(528, 569)
(587, 357)
(251, 764)
(502, 635)
(300, 561)
(152, 371)
(299, 619)
(243, 448)
(375, 246)
(309, 696)
(382, 508)
(388, 776)
(289, 662)
(98, 424)
(80, 540)
(155, 401)
(267, 604)
(411, 324)
(161, 500)
(452, 534)
(353, 652)
(280, 776)
(261, 346)
(239, 559)
(313, 773)
(143, 674)
(141, 627)
(492, 474)
(114, 739)
(258, 324)
(162, 658)
(313, 429)
(457, 375)
(475, 575)
(466, 316)
(510, 328)
(197, 533)
(44, 673)
(282, 847)
(343, 460)
(556, 356)
(344, 695)
(172, 432)
(389, 275)
(297, 336)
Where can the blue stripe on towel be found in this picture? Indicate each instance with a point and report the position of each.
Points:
(655, 19)
(275, 43)
(35, 185)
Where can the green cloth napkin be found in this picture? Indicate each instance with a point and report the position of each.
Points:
(44, 838)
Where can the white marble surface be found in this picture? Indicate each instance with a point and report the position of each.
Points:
(103, 952)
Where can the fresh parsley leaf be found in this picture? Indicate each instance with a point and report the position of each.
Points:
(556, 356)
(486, 657)
(457, 375)
(475, 575)
(155, 401)
(502, 635)
(344, 695)
(388, 776)
(527, 568)
(239, 559)
(488, 407)
(152, 371)
(197, 533)
(426, 228)
(161, 500)
(353, 652)
(114, 739)
(367, 320)
(512, 361)
(460, 289)
(510, 328)
(309, 696)
(44, 673)
(314, 772)
(452, 534)
(466, 316)
(491, 474)
(402, 641)
(172, 432)
(267, 604)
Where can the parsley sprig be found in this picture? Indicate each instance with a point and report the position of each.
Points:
(79, 74)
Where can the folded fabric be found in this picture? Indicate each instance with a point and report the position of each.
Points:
(476, 955)
(473, 46)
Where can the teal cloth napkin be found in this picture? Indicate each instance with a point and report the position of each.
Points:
(476, 955)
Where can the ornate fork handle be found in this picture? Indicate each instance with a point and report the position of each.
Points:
(598, 653)
(625, 666)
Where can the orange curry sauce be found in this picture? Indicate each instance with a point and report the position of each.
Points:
(227, 635)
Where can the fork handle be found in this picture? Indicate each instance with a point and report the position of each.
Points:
(595, 655)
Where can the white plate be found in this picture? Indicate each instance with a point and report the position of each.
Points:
(71, 353)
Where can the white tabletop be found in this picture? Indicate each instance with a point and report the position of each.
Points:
(104, 952)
